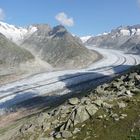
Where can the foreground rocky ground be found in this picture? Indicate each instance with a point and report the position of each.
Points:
(111, 111)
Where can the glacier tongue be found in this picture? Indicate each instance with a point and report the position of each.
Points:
(16, 34)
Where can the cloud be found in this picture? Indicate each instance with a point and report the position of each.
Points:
(64, 19)
(2, 14)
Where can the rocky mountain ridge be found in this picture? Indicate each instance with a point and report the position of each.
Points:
(124, 38)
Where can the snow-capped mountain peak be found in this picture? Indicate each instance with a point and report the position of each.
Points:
(85, 38)
(128, 30)
(16, 34)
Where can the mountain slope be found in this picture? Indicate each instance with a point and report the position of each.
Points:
(11, 54)
(58, 47)
(132, 45)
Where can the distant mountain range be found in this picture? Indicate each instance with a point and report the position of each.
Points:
(123, 38)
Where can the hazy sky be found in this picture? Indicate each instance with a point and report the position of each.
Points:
(81, 17)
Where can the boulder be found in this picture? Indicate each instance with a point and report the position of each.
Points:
(73, 101)
(81, 115)
(58, 135)
(46, 138)
(66, 134)
(46, 126)
(98, 102)
(121, 105)
(91, 109)
(76, 130)
(128, 92)
(106, 105)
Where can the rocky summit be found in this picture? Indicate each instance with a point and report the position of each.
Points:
(110, 111)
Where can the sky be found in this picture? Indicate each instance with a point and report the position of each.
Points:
(80, 17)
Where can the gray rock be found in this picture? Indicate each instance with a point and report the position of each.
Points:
(135, 90)
(66, 134)
(92, 96)
(81, 115)
(85, 100)
(55, 122)
(128, 92)
(58, 135)
(68, 124)
(76, 130)
(132, 75)
(137, 77)
(98, 102)
(115, 115)
(99, 90)
(124, 115)
(91, 109)
(65, 109)
(26, 127)
(131, 84)
(123, 77)
(106, 105)
(100, 117)
(116, 85)
(116, 119)
(121, 105)
(121, 91)
(73, 101)
(46, 126)
(47, 138)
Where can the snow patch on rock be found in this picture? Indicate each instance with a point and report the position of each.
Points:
(125, 32)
